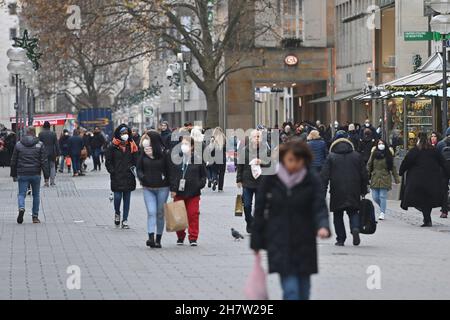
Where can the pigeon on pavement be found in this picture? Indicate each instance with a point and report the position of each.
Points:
(236, 235)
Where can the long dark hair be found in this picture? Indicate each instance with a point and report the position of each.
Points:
(385, 154)
(424, 142)
(157, 144)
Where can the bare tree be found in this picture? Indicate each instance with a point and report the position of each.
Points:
(188, 26)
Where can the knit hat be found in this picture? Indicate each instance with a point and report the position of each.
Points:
(341, 134)
(447, 133)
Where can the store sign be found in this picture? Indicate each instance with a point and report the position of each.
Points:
(423, 36)
(291, 60)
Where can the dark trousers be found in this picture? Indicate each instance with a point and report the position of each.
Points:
(426, 215)
(247, 195)
(339, 225)
(444, 208)
(76, 163)
(96, 158)
(218, 174)
(126, 196)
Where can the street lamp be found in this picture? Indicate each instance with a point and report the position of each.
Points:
(179, 67)
(16, 66)
(441, 25)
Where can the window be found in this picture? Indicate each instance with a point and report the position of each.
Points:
(12, 7)
(292, 19)
(12, 33)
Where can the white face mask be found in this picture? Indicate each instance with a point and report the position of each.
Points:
(125, 137)
(381, 147)
(146, 143)
(185, 148)
(367, 125)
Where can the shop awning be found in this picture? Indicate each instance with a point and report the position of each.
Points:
(343, 95)
(54, 119)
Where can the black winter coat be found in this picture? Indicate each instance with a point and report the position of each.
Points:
(365, 147)
(244, 171)
(29, 158)
(64, 145)
(119, 166)
(195, 177)
(422, 172)
(347, 175)
(286, 224)
(154, 173)
(50, 141)
(97, 141)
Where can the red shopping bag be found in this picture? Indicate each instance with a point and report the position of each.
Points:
(256, 286)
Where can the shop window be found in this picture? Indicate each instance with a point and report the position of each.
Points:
(292, 19)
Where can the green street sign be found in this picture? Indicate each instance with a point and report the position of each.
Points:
(418, 36)
(148, 111)
(424, 36)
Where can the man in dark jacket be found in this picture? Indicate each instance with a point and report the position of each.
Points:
(64, 149)
(247, 178)
(29, 159)
(75, 145)
(50, 141)
(366, 144)
(346, 173)
(166, 135)
(97, 142)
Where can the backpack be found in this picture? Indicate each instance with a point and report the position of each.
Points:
(368, 221)
(446, 151)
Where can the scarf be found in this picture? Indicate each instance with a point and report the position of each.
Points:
(291, 180)
(123, 146)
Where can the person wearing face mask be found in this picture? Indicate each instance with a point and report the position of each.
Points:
(423, 170)
(153, 168)
(187, 179)
(366, 144)
(353, 135)
(368, 125)
(121, 158)
(381, 169)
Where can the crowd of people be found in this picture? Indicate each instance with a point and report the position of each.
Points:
(284, 212)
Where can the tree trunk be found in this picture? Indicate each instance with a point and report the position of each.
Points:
(212, 102)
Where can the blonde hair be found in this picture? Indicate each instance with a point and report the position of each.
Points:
(196, 134)
(219, 137)
(314, 135)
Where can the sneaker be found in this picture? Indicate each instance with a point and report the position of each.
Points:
(20, 216)
(214, 186)
(356, 238)
(180, 242)
(46, 185)
(339, 244)
(75, 175)
(117, 219)
(209, 183)
(60, 171)
(125, 225)
(193, 243)
(382, 216)
(444, 215)
(36, 220)
(52, 184)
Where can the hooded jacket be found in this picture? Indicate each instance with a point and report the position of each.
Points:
(29, 158)
(50, 141)
(346, 173)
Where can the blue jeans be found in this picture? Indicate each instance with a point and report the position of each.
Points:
(296, 287)
(380, 198)
(126, 196)
(96, 157)
(339, 226)
(247, 196)
(35, 183)
(76, 163)
(154, 202)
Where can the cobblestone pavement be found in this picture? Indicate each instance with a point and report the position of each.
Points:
(78, 229)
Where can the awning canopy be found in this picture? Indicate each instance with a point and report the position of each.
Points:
(343, 95)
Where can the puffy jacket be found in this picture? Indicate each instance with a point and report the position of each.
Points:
(286, 224)
(97, 141)
(75, 145)
(319, 150)
(380, 176)
(346, 173)
(64, 145)
(29, 158)
(195, 177)
(50, 141)
(154, 173)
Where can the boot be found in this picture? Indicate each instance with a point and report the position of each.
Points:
(151, 240)
(158, 241)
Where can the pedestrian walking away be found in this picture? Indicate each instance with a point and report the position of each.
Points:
(346, 173)
(153, 169)
(97, 142)
(187, 179)
(288, 235)
(50, 141)
(76, 145)
(121, 159)
(218, 153)
(422, 171)
(381, 169)
(319, 150)
(28, 161)
(64, 151)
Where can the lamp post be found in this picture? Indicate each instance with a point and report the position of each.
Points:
(16, 66)
(441, 25)
(179, 67)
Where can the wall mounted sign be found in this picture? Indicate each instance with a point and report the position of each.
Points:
(291, 60)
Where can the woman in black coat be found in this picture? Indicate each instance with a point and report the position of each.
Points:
(121, 159)
(422, 175)
(290, 212)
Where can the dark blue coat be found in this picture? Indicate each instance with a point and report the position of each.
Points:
(320, 152)
(76, 144)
